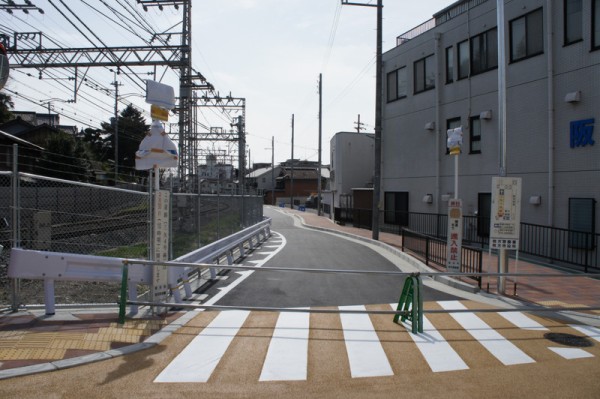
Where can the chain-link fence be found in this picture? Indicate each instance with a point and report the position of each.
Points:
(49, 214)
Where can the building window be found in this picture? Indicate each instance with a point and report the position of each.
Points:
(573, 19)
(449, 64)
(396, 208)
(451, 124)
(424, 74)
(396, 84)
(582, 219)
(475, 135)
(484, 51)
(595, 24)
(463, 59)
(527, 36)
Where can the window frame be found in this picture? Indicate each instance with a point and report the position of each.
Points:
(395, 74)
(526, 17)
(483, 40)
(424, 73)
(449, 64)
(472, 137)
(458, 60)
(448, 122)
(566, 40)
(595, 41)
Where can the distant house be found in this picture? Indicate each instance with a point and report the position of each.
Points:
(263, 179)
(28, 152)
(298, 180)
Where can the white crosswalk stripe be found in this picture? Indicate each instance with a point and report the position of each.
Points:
(496, 344)
(365, 353)
(287, 355)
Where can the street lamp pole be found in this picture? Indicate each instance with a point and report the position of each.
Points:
(378, 116)
(116, 140)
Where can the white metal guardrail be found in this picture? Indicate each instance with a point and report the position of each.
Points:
(58, 266)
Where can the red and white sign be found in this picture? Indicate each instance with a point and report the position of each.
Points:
(455, 229)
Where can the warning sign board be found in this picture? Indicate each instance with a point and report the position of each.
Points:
(505, 219)
(160, 288)
(455, 228)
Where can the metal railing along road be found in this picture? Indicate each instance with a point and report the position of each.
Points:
(578, 250)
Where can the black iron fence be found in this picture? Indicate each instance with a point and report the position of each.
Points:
(570, 248)
(433, 251)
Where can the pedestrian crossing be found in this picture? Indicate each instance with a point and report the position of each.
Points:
(300, 346)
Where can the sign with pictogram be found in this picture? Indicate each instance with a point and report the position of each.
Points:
(455, 228)
(505, 220)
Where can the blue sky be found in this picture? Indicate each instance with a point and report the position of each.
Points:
(268, 51)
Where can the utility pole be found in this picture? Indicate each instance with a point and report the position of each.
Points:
(359, 125)
(378, 111)
(292, 174)
(320, 135)
(116, 133)
(272, 170)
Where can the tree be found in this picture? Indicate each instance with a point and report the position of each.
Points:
(131, 130)
(65, 158)
(6, 104)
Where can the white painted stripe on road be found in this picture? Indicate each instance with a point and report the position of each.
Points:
(435, 349)
(504, 350)
(365, 353)
(522, 321)
(571, 353)
(592, 332)
(199, 359)
(287, 356)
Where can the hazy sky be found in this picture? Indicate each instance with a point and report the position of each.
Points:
(268, 51)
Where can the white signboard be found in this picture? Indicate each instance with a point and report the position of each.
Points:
(160, 288)
(455, 228)
(505, 219)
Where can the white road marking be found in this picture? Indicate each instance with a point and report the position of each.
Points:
(287, 356)
(199, 359)
(592, 332)
(365, 353)
(435, 349)
(571, 353)
(504, 350)
(522, 321)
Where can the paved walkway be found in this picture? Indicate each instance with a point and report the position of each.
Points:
(31, 342)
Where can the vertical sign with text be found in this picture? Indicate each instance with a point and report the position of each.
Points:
(505, 220)
(160, 288)
(455, 228)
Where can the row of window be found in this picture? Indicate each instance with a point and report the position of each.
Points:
(479, 53)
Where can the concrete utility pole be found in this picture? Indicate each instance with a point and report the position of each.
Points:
(292, 172)
(502, 255)
(320, 135)
(272, 170)
(378, 116)
(116, 84)
(359, 125)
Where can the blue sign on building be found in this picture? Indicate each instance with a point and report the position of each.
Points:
(582, 132)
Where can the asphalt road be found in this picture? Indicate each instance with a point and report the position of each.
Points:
(308, 248)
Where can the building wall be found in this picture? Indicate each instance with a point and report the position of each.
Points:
(537, 130)
(352, 159)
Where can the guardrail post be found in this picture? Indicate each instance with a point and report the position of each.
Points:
(49, 296)
(123, 298)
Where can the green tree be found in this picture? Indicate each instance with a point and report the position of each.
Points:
(132, 128)
(6, 104)
(65, 158)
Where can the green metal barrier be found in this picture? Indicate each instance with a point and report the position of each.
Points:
(411, 302)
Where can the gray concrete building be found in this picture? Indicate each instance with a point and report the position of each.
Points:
(444, 74)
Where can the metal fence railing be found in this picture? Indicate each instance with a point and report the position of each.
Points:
(433, 251)
(575, 249)
(49, 214)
